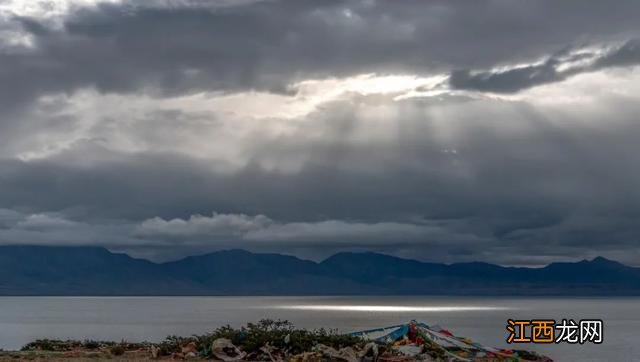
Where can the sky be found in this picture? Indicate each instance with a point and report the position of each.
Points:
(448, 131)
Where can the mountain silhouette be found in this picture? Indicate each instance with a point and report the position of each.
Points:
(42, 270)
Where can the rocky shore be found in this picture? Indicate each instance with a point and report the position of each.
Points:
(270, 340)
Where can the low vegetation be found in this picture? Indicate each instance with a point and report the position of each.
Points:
(279, 334)
(267, 340)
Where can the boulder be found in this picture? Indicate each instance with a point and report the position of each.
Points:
(224, 350)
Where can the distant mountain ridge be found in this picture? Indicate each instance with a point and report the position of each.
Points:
(41, 270)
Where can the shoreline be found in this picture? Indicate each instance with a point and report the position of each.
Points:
(278, 340)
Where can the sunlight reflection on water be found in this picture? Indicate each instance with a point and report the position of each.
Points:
(390, 308)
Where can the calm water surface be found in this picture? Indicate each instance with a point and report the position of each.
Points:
(23, 319)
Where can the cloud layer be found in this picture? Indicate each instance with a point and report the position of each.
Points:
(444, 130)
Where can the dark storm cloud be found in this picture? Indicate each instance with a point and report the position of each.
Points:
(494, 180)
(548, 71)
(628, 54)
(125, 48)
(512, 80)
(547, 186)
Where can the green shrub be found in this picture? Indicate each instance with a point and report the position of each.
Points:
(117, 350)
(249, 338)
(253, 336)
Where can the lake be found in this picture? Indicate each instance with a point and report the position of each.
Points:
(23, 319)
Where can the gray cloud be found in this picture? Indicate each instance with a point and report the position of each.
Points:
(57, 229)
(548, 171)
(533, 186)
(548, 71)
(118, 48)
(260, 229)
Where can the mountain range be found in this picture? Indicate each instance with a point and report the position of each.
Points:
(41, 270)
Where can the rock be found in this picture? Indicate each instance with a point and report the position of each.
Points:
(177, 355)
(272, 353)
(190, 355)
(369, 350)
(410, 350)
(425, 357)
(224, 350)
(307, 357)
(189, 348)
(346, 354)
(155, 351)
(388, 357)
(349, 354)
